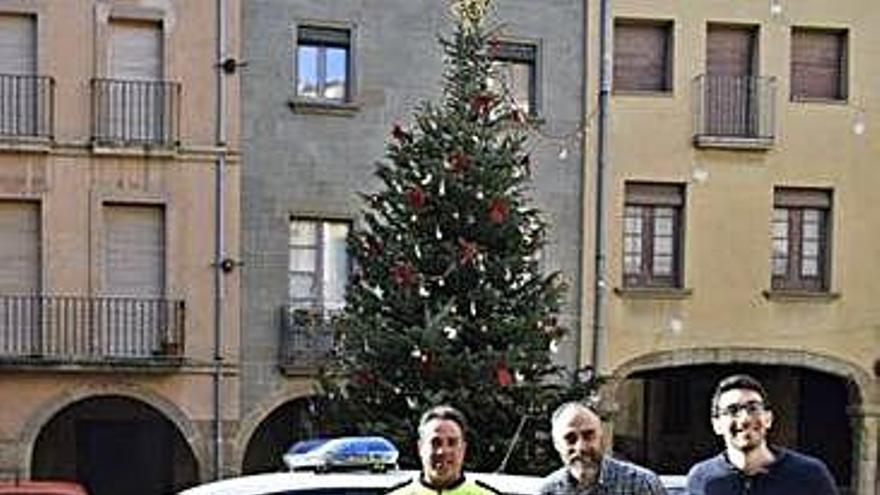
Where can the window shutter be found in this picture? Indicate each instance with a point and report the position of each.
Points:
(18, 44)
(730, 50)
(654, 194)
(641, 56)
(135, 50)
(817, 63)
(134, 250)
(19, 247)
(802, 198)
(323, 36)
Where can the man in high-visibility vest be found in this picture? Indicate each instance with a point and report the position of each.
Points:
(442, 447)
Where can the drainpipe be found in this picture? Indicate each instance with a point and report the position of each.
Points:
(600, 289)
(219, 247)
(584, 125)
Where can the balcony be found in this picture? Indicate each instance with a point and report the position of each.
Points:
(135, 113)
(308, 337)
(59, 330)
(735, 112)
(26, 107)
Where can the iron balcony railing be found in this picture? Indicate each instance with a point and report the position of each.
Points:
(77, 329)
(735, 106)
(131, 112)
(308, 337)
(26, 106)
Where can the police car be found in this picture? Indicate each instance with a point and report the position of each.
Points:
(310, 483)
(351, 466)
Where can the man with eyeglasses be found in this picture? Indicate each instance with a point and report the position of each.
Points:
(741, 415)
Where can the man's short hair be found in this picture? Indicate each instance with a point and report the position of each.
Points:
(565, 407)
(444, 412)
(739, 381)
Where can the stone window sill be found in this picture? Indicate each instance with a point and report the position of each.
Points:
(323, 107)
(662, 293)
(781, 295)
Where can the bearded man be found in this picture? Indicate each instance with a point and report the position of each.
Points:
(586, 470)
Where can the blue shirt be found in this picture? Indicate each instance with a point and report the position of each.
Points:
(615, 478)
(789, 474)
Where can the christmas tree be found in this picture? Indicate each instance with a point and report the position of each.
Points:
(447, 303)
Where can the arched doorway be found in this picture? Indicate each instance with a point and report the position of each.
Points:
(663, 414)
(292, 421)
(114, 445)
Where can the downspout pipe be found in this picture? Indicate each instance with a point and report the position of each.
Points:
(219, 239)
(584, 183)
(600, 289)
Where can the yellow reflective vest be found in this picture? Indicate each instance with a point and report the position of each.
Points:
(463, 487)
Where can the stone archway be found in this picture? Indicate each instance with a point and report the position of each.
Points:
(663, 379)
(106, 437)
(276, 429)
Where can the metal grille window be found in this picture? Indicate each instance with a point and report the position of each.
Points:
(652, 235)
(319, 265)
(323, 63)
(642, 55)
(514, 72)
(800, 239)
(818, 64)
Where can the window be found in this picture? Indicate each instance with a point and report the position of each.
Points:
(800, 239)
(319, 264)
(20, 88)
(19, 247)
(514, 72)
(818, 64)
(323, 63)
(642, 55)
(652, 235)
(134, 104)
(134, 247)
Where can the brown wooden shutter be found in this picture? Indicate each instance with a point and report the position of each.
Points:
(19, 247)
(653, 194)
(18, 44)
(641, 56)
(134, 250)
(730, 50)
(791, 197)
(817, 61)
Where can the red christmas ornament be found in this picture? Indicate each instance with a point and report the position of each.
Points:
(403, 274)
(499, 210)
(459, 162)
(481, 103)
(503, 375)
(399, 134)
(415, 197)
(467, 251)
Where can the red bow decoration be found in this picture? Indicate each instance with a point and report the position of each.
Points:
(503, 374)
(415, 197)
(403, 274)
(499, 210)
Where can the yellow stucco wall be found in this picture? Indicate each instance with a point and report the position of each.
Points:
(727, 241)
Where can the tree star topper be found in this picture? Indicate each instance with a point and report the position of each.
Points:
(470, 12)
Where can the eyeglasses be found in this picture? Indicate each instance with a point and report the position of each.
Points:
(752, 408)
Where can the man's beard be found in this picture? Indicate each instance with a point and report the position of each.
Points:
(585, 468)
